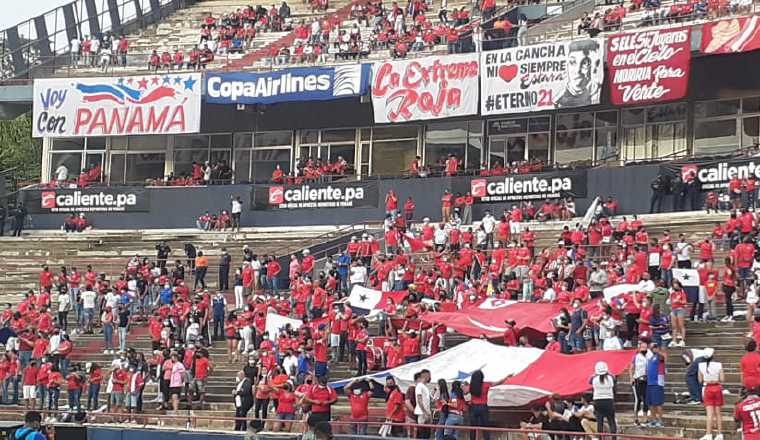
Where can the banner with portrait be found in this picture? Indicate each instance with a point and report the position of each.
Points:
(739, 34)
(542, 77)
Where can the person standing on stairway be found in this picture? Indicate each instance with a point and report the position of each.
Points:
(711, 376)
(243, 400)
(225, 260)
(201, 266)
(162, 254)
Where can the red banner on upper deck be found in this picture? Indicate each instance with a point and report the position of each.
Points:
(649, 66)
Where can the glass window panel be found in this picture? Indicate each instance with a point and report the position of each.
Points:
(508, 126)
(144, 166)
(395, 132)
(273, 139)
(243, 140)
(474, 145)
(542, 123)
(93, 160)
(667, 140)
(633, 143)
(183, 160)
(189, 141)
(391, 158)
(72, 161)
(119, 143)
(221, 141)
(496, 149)
(538, 147)
(711, 137)
(633, 116)
(607, 119)
(242, 165)
(117, 168)
(218, 156)
(347, 152)
(149, 143)
(751, 105)
(366, 134)
(707, 109)
(663, 113)
(309, 136)
(339, 136)
(473, 157)
(574, 121)
(750, 131)
(365, 153)
(308, 152)
(96, 143)
(68, 144)
(444, 139)
(574, 146)
(515, 149)
(265, 161)
(606, 145)
(323, 152)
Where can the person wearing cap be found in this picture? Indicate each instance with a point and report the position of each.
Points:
(603, 384)
(711, 376)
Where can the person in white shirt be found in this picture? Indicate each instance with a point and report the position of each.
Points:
(88, 297)
(638, 374)
(357, 274)
(603, 384)
(440, 237)
(61, 174)
(683, 253)
(646, 285)
(711, 376)
(236, 209)
(111, 300)
(488, 223)
(422, 407)
(64, 305)
(74, 48)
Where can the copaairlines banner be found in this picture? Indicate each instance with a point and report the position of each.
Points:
(425, 88)
(650, 66)
(118, 106)
(300, 84)
(542, 77)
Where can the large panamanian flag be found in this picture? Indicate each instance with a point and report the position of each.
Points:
(689, 279)
(520, 375)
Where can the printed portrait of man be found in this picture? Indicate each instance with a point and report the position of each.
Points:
(584, 74)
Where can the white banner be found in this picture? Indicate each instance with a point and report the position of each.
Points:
(542, 77)
(150, 104)
(425, 88)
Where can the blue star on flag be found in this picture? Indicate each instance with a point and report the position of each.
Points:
(177, 80)
(362, 298)
(167, 80)
(190, 83)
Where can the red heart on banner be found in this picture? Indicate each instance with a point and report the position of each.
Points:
(508, 72)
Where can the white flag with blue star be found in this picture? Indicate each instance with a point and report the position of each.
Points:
(689, 279)
(370, 302)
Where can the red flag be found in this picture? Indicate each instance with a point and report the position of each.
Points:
(415, 243)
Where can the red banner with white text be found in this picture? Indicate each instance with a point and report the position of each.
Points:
(730, 36)
(425, 88)
(649, 66)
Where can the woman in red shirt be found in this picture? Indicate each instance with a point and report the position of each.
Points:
(286, 408)
(55, 380)
(94, 380)
(479, 401)
(729, 287)
(394, 407)
(666, 264)
(232, 336)
(455, 406)
(678, 313)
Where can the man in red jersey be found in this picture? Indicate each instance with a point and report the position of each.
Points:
(747, 413)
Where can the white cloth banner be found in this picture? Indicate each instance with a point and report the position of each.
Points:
(117, 106)
(542, 77)
(425, 88)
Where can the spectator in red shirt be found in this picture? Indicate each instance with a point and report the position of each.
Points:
(202, 369)
(358, 397)
(321, 397)
(29, 387)
(394, 407)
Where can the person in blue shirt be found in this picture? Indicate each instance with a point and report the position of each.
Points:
(218, 306)
(343, 262)
(305, 365)
(655, 394)
(31, 428)
(165, 295)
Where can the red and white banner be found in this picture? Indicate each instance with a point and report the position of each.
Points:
(117, 106)
(649, 66)
(425, 88)
(528, 376)
(488, 318)
(731, 36)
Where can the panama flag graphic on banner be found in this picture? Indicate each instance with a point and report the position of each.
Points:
(370, 302)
